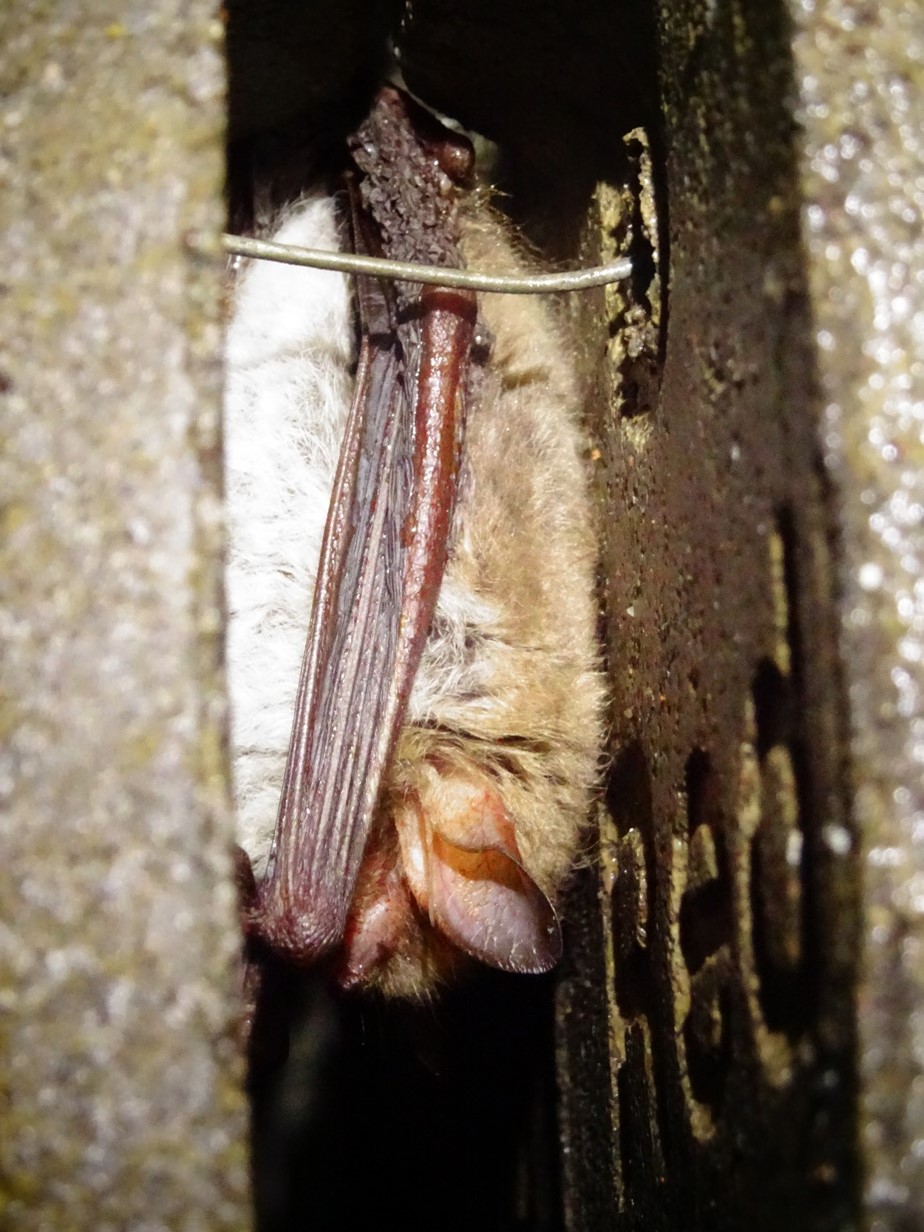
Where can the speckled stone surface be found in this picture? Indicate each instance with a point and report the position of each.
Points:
(860, 81)
(121, 1103)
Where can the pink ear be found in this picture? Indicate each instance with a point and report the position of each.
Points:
(464, 868)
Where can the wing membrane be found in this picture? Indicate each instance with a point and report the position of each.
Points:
(382, 560)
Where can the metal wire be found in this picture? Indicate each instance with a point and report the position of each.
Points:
(409, 271)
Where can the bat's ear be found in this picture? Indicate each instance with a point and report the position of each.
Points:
(463, 865)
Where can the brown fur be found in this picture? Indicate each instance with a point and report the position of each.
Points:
(514, 697)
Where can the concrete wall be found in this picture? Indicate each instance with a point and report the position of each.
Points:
(121, 1103)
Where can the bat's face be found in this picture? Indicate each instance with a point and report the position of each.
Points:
(460, 736)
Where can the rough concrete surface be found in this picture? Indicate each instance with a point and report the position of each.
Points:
(860, 86)
(121, 1104)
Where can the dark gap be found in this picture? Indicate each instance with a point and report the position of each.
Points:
(383, 1114)
(633, 982)
(584, 1043)
(640, 250)
(697, 781)
(705, 922)
(708, 1059)
(788, 992)
(628, 800)
(803, 997)
(627, 792)
(782, 989)
(705, 910)
(784, 984)
(773, 707)
(786, 527)
(642, 1163)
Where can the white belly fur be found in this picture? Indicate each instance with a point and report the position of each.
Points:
(288, 388)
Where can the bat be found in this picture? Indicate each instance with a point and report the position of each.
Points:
(405, 481)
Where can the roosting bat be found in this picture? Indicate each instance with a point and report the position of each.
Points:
(404, 467)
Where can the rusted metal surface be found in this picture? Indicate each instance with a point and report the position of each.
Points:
(729, 887)
(121, 1083)
(303, 67)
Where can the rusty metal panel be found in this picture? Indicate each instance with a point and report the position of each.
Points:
(727, 885)
(121, 1085)
(762, 643)
(729, 881)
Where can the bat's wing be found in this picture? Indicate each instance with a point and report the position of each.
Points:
(382, 561)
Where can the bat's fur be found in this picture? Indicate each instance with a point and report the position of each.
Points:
(508, 687)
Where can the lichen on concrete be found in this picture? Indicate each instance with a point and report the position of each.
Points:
(122, 1104)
